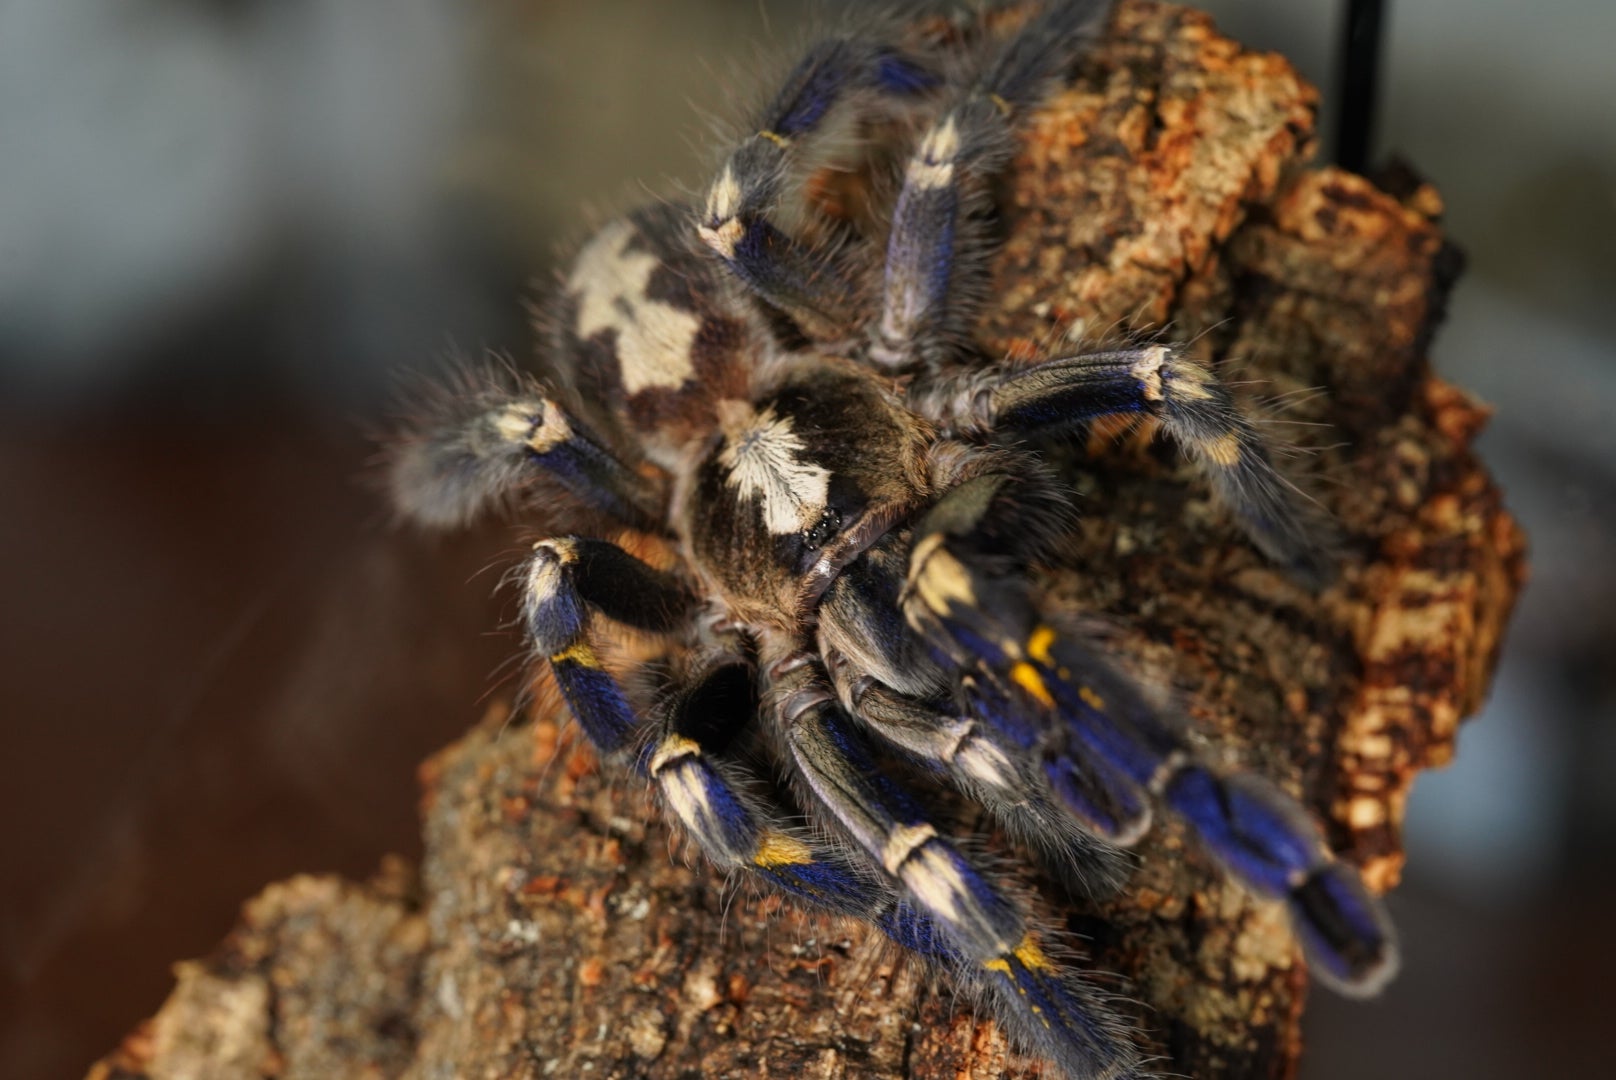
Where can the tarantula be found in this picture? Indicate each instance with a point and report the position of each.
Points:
(852, 518)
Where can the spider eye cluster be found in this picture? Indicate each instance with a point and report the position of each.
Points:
(820, 533)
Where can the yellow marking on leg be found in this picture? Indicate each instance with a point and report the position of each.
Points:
(1091, 699)
(1027, 954)
(580, 652)
(779, 849)
(672, 748)
(1026, 676)
(1031, 956)
(941, 144)
(999, 103)
(1223, 451)
(776, 138)
(1038, 644)
(924, 549)
(985, 762)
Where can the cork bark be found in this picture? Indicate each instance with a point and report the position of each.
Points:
(555, 927)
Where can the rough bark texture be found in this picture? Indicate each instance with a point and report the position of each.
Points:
(551, 934)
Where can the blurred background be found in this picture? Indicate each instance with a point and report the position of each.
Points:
(227, 226)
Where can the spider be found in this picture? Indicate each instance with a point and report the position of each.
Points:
(781, 395)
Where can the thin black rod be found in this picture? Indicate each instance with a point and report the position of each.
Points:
(1359, 70)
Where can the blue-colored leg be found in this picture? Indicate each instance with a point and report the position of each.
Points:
(936, 254)
(1268, 840)
(992, 770)
(806, 284)
(975, 620)
(1193, 407)
(721, 809)
(1108, 752)
(1049, 1009)
(568, 580)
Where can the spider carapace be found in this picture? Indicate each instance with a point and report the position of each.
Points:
(855, 521)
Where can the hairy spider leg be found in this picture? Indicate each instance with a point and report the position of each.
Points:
(806, 284)
(1104, 747)
(936, 260)
(499, 444)
(566, 581)
(969, 753)
(869, 616)
(962, 590)
(1193, 407)
(1048, 1008)
(1264, 837)
(885, 676)
(739, 827)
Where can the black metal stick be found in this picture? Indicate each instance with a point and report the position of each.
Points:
(1359, 80)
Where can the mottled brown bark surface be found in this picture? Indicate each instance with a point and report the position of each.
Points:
(551, 934)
